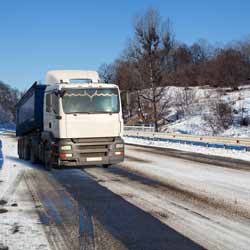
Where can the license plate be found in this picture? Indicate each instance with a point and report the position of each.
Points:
(94, 159)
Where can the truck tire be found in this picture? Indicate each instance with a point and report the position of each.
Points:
(26, 155)
(33, 157)
(34, 149)
(41, 153)
(47, 158)
(47, 163)
(106, 165)
(19, 148)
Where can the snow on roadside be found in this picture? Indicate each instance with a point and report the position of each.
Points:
(20, 227)
(10, 170)
(192, 125)
(236, 154)
(201, 102)
(7, 127)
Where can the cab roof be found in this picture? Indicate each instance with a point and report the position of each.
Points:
(66, 76)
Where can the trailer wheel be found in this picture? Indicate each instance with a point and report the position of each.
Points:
(19, 148)
(33, 157)
(47, 162)
(26, 150)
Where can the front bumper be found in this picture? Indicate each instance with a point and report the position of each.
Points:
(91, 151)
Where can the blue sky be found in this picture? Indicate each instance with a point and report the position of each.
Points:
(36, 36)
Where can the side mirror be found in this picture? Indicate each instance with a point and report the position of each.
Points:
(60, 93)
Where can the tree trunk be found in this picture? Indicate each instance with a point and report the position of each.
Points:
(155, 112)
(139, 105)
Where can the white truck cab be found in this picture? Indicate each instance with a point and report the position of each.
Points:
(89, 109)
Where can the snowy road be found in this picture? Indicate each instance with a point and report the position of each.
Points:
(152, 201)
(209, 204)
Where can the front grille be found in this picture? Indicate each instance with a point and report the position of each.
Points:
(83, 147)
(93, 155)
(94, 147)
(93, 140)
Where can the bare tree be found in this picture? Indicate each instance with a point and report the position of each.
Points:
(219, 115)
(184, 100)
(107, 72)
(198, 53)
(150, 52)
(8, 99)
(5, 116)
(230, 68)
(243, 46)
(182, 56)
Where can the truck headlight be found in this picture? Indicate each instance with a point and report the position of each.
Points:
(119, 153)
(66, 147)
(119, 145)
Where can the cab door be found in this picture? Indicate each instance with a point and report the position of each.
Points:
(51, 122)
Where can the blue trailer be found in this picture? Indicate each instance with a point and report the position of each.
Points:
(29, 119)
(29, 116)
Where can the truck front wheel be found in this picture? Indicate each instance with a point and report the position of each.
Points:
(106, 165)
(47, 158)
(47, 162)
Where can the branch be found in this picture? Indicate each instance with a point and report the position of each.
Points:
(147, 98)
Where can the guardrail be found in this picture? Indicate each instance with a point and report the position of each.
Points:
(139, 128)
(207, 141)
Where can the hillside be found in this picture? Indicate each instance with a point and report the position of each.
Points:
(8, 99)
(204, 111)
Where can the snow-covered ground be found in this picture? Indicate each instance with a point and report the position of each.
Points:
(20, 227)
(200, 101)
(196, 125)
(7, 127)
(236, 154)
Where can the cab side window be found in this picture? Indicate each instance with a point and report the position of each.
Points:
(48, 103)
(54, 103)
(51, 103)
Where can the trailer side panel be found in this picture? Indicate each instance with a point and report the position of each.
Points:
(30, 111)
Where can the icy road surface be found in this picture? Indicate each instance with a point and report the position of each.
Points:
(152, 201)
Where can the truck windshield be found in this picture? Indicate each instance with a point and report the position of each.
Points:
(90, 100)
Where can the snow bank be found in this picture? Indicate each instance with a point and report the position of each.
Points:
(7, 127)
(199, 103)
(20, 227)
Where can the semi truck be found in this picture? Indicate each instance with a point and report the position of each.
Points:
(72, 120)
